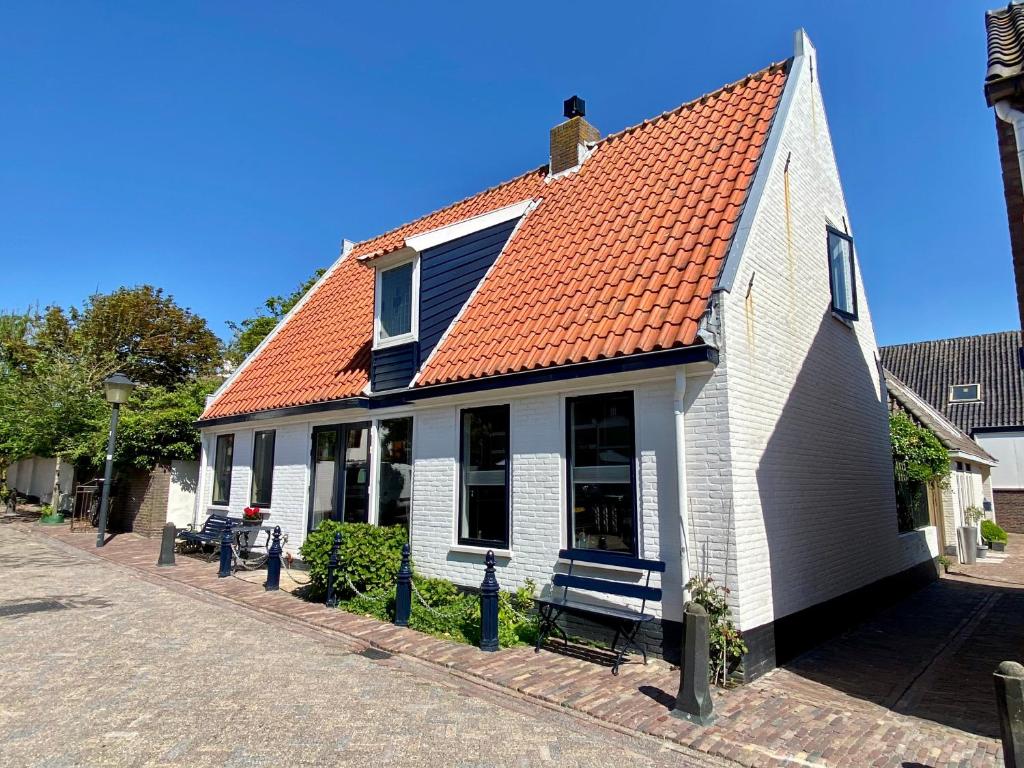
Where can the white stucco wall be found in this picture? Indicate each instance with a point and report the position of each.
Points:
(34, 477)
(814, 502)
(1008, 449)
(181, 494)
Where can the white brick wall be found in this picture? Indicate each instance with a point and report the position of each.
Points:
(813, 489)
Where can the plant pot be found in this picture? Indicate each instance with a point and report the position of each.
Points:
(968, 536)
(55, 519)
(998, 546)
(981, 552)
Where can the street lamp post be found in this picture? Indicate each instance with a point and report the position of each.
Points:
(117, 389)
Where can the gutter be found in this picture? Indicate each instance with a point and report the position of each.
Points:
(1013, 116)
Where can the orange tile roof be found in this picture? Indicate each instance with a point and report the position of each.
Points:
(618, 258)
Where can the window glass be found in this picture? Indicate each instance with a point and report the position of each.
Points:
(964, 393)
(483, 503)
(394, 494)
(262, 468)
(911, 505)
(222, 469)
(357, 473)
(840, 255)
(602, 503)
(325, 450)
(396, 301)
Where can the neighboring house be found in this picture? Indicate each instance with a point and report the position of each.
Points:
(969, 483)
(145, 500)
(1004, 91)
(975, 382)
(658, 344)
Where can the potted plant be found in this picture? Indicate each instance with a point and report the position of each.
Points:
(945, 562)
(968, 535)
(252, 516)
(994, 535)
(50, 516)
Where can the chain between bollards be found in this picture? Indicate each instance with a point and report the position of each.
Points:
(403, 590)
(273, 581)
(332, 568)
(489, 606)
(225, 552)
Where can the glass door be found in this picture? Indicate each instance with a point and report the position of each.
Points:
(341, 469)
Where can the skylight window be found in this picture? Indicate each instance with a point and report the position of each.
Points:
(965, 393)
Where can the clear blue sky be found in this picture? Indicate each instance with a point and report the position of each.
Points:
(223, 150)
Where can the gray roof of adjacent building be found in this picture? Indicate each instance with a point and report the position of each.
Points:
(902, 398)
(932, 368)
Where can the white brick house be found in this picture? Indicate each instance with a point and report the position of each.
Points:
(659, 346)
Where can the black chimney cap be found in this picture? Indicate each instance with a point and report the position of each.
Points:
(574, 107)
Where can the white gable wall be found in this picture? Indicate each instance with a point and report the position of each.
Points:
(808, 425)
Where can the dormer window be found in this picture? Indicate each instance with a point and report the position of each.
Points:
(965, 393)
(397, 300)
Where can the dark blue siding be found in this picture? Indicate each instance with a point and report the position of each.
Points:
(448, 275)
(393, 367)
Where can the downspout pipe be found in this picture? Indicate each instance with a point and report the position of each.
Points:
(682, 492)
(1013, 116)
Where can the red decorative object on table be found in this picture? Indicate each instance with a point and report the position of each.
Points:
(252, 515)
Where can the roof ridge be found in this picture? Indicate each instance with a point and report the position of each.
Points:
(950, 338)
(700, 99)
(443, 208)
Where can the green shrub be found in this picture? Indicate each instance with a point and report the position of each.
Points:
(725, 640)
(370, 556)
(992, 532)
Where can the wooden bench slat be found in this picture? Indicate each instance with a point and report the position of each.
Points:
(638, 591)
(579, 608)
(600, 557)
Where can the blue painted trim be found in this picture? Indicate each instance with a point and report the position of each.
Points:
(279, 413)
(699, 353)
(764, 166)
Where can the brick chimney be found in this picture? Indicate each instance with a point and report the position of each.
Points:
(569, 139)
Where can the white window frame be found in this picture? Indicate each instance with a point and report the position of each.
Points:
(953, 387)
(414, 333)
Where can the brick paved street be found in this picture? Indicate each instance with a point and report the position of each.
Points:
(911, 688)
(103, 668)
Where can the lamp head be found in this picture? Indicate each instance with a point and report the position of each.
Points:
(118, 388)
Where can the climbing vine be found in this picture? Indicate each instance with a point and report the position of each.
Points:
(916, 453)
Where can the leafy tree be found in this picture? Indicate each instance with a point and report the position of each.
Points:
(250, 332)
(153, 339)
(918, 459)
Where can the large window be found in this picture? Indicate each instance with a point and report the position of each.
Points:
(341, 473)
(602, 499)
(222, 469)
(483, 497)
(394, 471)
(262, 468)
(841, 274)
(395, 288)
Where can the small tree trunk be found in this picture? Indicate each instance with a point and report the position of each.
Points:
(55, 501)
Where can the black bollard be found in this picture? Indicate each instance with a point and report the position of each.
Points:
(225, 552)
(1009, 679)
(403, 590)
(273, 581)
(167, 546)
(694, 700)
(489, 606)
(332, 568)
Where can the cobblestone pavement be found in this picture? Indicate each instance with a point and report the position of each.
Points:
(910, 689)
(103, 668)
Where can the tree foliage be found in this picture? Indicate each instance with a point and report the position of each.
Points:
(250, 332)
(52, 367)
(916, 453)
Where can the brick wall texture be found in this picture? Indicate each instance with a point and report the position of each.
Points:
(1010, 510)
(140, 502)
